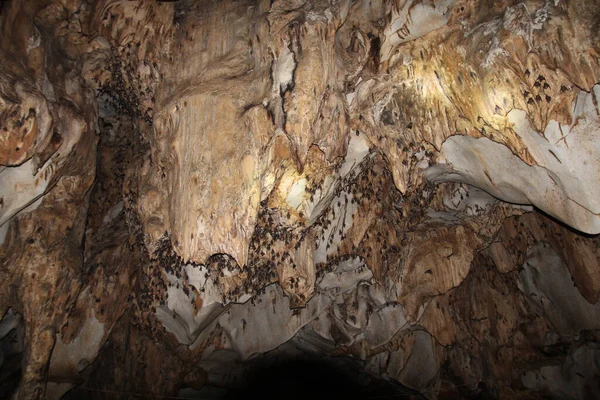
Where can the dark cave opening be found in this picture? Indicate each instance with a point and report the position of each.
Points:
(296, 378)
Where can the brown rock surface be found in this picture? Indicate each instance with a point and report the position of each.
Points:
(187, 187)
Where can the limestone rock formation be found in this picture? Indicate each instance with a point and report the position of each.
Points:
(408, 189)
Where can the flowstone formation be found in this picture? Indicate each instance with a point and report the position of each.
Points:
(408, 189)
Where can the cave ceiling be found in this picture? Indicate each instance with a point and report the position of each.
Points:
(187, 186)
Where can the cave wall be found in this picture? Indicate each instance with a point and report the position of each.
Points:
(187, 185)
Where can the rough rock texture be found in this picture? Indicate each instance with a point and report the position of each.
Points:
(408, 186)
